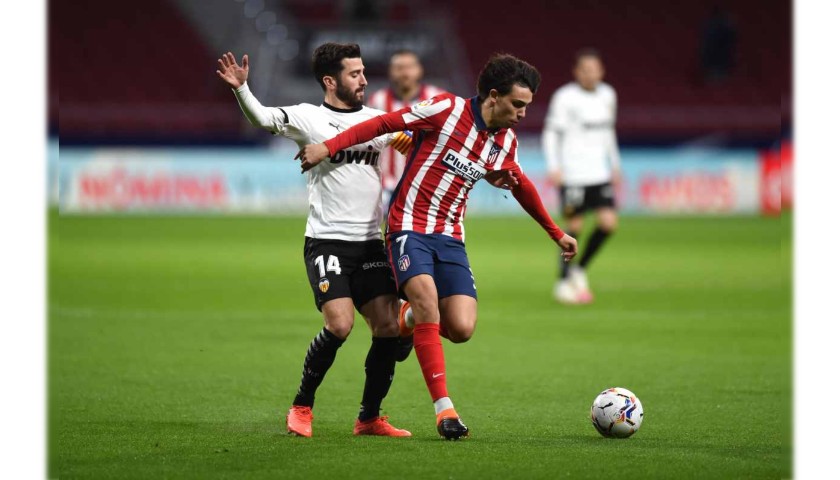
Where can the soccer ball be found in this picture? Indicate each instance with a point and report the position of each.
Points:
(617, 413)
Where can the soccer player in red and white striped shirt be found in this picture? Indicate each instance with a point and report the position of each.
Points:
(458, 141)
(405, 73)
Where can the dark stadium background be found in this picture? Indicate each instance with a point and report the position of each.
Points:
(178, 309)
(143, 72)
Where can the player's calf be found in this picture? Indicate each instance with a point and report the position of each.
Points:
(458, 317)
(405, 341)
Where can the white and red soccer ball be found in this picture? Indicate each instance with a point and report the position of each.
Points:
(617, 413)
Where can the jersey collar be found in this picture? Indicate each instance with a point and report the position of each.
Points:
(341, 110)
(475, 106)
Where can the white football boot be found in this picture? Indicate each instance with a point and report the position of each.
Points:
(565, 292)
(577, 276)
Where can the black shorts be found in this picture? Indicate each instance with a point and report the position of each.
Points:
(339, 269)
(579, 200)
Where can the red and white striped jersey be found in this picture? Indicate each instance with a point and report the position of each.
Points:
(454, 149)
(392, 162)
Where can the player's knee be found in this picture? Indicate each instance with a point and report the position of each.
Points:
(459, 337)
(461, 334)
(340, 328)
(575, 224)
(425, 310)
(609, 223)
(386, 328)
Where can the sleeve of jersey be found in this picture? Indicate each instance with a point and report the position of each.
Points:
(417, 117)
(271, 119)
(612, 149)
(526, 194)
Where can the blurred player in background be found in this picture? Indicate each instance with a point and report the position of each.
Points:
(581, 151)
(344, 253)
(458, 142)
(405, 73)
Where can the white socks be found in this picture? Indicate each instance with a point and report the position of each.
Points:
(442, 404)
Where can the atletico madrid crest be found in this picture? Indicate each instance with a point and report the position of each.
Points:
(403, 263)
(324, 285)
(494, 152)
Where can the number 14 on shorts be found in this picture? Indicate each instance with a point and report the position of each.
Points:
(332, 265)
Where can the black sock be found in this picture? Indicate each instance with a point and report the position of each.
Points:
(319, 359)
(564, 265)
(592, 245)
(379, 373)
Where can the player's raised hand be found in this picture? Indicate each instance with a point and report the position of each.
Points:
(230, 71)
(311, 155)
(569, 246)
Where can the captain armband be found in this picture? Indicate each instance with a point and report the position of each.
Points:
(403, 142)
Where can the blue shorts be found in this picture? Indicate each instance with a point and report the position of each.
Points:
(441, 256)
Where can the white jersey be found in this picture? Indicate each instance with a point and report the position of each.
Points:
(345, 190)
(579, 134)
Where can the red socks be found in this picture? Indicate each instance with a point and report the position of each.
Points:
(429, 353)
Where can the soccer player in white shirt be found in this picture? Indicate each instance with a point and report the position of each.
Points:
(344, 252)
(581, 153)
(405, 73)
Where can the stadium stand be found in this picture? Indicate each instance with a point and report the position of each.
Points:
(652, 53)
(128, 69)
(162, 69)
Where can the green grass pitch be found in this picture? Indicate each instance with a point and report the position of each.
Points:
(175, 348)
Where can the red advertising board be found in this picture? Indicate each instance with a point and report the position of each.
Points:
(776, 179)
(688, 191)
(786, 154)
(119, 189)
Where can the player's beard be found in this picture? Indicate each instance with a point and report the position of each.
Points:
(349, 96)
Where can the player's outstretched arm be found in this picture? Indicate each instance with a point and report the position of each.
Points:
(526, 194)
(311, 155)
(236, 77)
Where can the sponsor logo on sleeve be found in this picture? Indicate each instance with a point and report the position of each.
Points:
(422, 104)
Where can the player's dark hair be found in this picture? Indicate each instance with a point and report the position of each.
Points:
(404, 51)
(588, 52)
(326, 60)
(502, 71)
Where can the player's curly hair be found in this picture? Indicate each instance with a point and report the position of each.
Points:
(326, 60)
(502, 71)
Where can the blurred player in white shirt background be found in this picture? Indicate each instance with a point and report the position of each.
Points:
(581, 152)
(405, 74)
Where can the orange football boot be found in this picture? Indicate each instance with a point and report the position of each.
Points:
(299, 421)
(379, 426)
